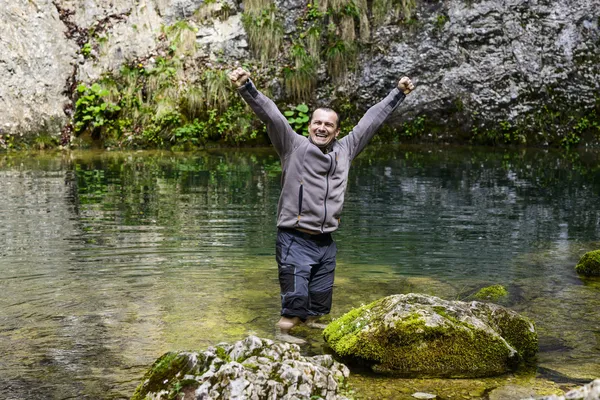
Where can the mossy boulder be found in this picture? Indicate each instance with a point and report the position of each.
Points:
(589, 264)
(416, 335)
(491, 293)
(252, 368)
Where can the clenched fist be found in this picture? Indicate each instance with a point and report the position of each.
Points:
(239, 76)
(406, 85)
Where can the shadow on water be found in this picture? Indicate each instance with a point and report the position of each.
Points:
(107, 260)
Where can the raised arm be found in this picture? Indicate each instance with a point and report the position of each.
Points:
(280, 132)
(368, 125)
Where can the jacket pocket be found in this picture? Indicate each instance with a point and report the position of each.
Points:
(300, 194)
(283, 246)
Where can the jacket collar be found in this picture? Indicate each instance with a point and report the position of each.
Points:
(327, 149)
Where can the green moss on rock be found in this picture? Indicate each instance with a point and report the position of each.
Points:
(589, 264)
(493, 293)
(167, 372)
(418, 335)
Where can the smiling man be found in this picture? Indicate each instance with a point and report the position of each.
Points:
(315, 173)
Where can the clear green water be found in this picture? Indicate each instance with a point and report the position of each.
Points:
(108, 260)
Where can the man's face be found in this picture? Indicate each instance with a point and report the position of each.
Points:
(323, 127)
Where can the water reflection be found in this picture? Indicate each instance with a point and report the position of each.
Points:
(108, 260)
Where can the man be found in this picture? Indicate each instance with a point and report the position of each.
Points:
(314, 177)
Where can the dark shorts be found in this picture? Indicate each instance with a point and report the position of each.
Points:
(306, 271)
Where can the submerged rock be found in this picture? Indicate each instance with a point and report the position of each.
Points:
(591, 391)
(589, 264)
(425, 336)
(252, 368)
(493, 293)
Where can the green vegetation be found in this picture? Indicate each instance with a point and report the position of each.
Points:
(339, 56)
(86, 50)
(492, 293)
(440, 21)
(159, 104)
(265, 32)
(589, 264)
(300, 79)
(94, 112)
(298, 118)
(167, 372)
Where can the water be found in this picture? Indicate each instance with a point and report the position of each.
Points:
(109, 260)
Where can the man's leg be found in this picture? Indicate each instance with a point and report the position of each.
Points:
(293, 254)
(293, 281)
(320, 287)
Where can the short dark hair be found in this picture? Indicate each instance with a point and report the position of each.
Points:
(337, 116)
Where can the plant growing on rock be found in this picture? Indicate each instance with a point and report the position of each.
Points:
(86, 50)
(589, 264)
(218, 89)
(339, 55)
(182, 38)
(415, 334)
(93, 111)
(265, 33)
(301, 78)
(492, 293)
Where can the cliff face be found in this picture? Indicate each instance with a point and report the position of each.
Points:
(475, 63)
(498, 59)
(36, 60)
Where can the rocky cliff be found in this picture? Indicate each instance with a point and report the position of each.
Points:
(515, 71)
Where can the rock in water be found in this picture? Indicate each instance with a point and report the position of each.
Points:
(252, 368)
(589, 264)
(591, 391)
(425, 336)
(491, 293)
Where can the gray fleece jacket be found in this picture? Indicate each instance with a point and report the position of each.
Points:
(314, 181)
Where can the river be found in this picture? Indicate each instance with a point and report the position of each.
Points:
(108, 260)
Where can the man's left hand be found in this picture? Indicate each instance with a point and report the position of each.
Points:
(406, 85)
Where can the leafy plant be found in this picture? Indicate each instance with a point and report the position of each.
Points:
(192, 133)
(7, 142)
(93, 112)
(440, 21)
(313, 12)
(86, 50)
(414, 128)
(298, 118)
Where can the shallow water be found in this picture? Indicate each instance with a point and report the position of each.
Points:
(107, 260)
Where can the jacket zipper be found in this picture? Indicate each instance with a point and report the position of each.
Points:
(300, 194)
(326, 192)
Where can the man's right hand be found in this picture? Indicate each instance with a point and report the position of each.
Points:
(239, 76)
(406, 85)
